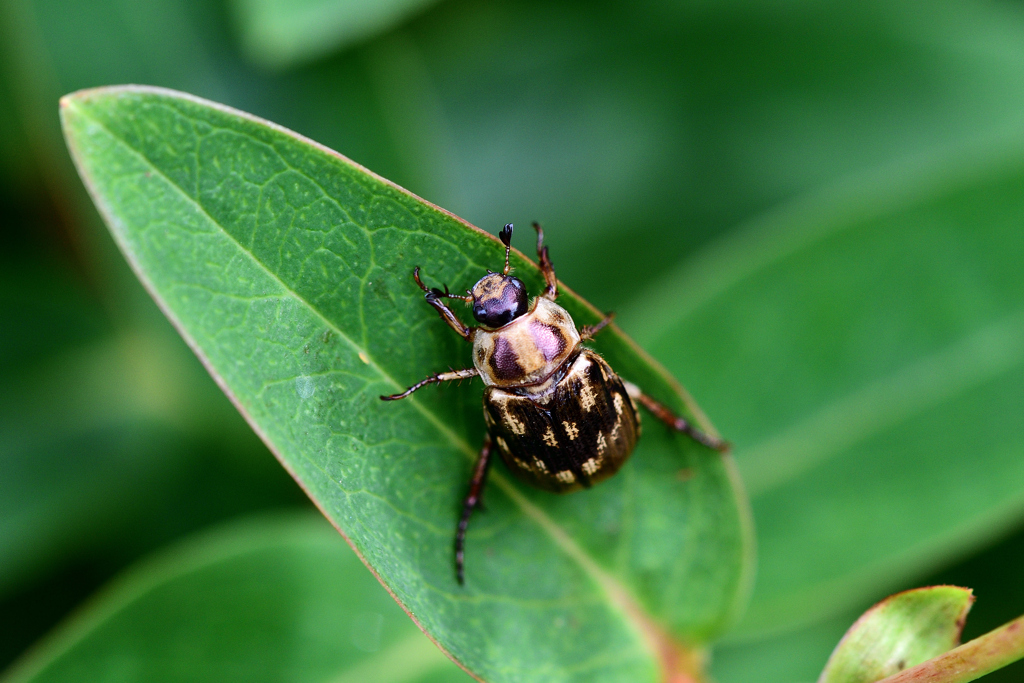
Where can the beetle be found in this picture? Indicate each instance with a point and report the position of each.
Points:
(560, 417)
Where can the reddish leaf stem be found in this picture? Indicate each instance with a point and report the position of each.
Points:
(971, 660)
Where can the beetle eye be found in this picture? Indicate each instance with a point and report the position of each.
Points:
(498, 300)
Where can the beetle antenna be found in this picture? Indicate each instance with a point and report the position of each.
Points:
(449, 295)
(506, 238)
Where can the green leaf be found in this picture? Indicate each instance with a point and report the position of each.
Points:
(269, 599)
(865, 349)
(287, 268)
(281, 33)
(900, 632)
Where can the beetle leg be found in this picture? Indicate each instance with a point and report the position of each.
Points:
(590, 331)
(674, 421)
(551, 291)
(434, 296)
(434, 379)
(472, 501)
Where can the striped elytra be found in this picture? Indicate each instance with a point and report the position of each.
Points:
(578, 431)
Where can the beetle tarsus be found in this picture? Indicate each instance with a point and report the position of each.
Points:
(551, 291)
(416, 277)
(590, 331)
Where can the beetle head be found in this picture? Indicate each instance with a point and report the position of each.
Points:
(499, 298)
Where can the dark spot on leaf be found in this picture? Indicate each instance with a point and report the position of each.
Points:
(380, 288)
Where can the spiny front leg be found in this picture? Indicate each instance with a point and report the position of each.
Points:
(551, 291)
(472, 501)
(434, 379)
(679, 424)
(434, 296)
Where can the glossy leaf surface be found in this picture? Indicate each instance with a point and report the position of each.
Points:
(270, 599)
(865, 350)
(900, 632)
(287, 268)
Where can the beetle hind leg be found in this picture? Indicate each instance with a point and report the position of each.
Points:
(471, 502)
(675, 422)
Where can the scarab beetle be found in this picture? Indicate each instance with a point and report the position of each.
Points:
(561, 418)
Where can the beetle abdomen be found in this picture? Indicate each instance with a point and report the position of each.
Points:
(572, 435)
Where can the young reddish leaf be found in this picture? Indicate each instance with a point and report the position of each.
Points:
(900, 632)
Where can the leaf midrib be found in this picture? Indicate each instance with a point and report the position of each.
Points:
(616, 593)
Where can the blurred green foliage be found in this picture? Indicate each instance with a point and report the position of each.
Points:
(899, 337)
(641, 135)
(291, 603)
(282, 33)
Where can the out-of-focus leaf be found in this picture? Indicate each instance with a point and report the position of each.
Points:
(635, 133)
(94, 450)
(282, 33)
(270, 599)
(100, 445)
(43, 313)
(866, 353)
(796, 656)
(900, 632)
(77, 436)
(288, 269)
(14, 152)
(643, 130)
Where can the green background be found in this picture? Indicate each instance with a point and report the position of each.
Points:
(810, 213)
